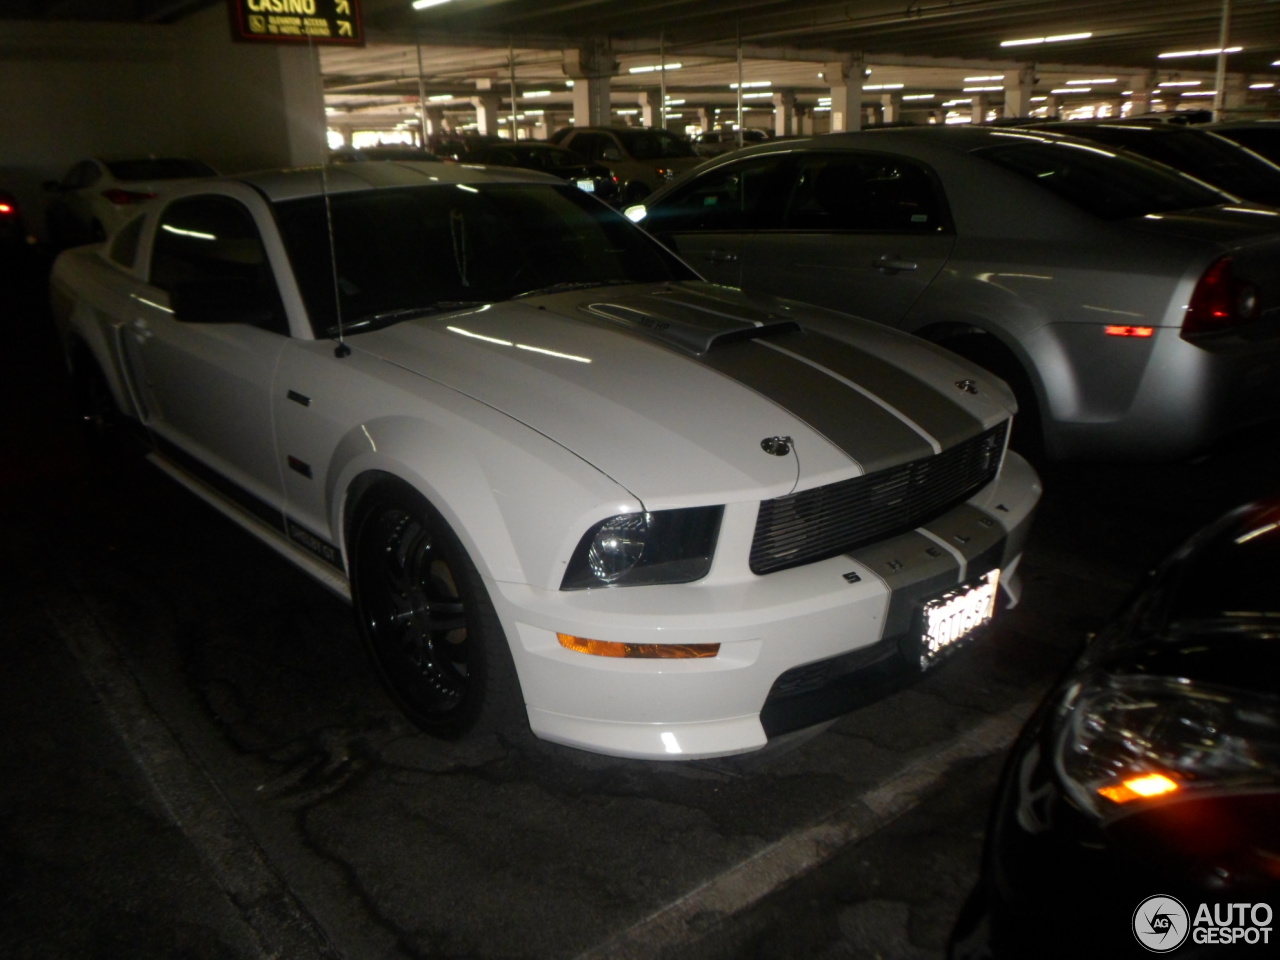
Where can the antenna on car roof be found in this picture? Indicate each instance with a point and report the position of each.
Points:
(341, 350)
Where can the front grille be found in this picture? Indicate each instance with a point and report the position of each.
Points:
(840, 517)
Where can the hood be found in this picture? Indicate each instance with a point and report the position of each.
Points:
(673, 390)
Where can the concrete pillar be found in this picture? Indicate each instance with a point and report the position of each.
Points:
(978, 108)
(784, 110)
(651, 113)
(1236, 93)
(591, 68)
(706, 118)
(1018, 89)
(845, 77)
(435, 121)
(890, 107)
(1054, 104)
(258, 105)
(1142, 85)
(488, 110)
(804, 120)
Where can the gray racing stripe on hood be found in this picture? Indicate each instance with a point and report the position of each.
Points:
(860, 426)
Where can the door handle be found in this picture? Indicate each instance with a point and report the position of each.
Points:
(721, 256)
(142, 331)
(894, 264)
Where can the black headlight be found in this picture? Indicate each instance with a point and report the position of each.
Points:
(669, 546)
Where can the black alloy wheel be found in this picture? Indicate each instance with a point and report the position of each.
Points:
(426, 617)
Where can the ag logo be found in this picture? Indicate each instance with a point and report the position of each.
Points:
(1161, 924)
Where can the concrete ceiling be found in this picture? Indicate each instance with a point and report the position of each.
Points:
(929, 46)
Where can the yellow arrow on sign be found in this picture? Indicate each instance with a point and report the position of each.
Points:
(344, 28)
(343, 6)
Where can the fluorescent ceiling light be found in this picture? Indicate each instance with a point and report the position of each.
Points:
(1032, 41)
(1072, 90)
(980, 89)
(423, 4)
(1181, 83)
(441, 97)
(752, 83)
(1085, 83)
(766, 93)
(994, 76)
(919, 96)
(1213, 52)
(883, 86)
(1261, 86)
(536, 93)
(655, 68)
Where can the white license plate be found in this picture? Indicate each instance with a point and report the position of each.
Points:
(587, 185)
(954, 617)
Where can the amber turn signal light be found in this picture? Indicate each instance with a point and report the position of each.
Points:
(639, 651)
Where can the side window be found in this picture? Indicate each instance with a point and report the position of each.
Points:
(589, 145)
(855, 191)
(740, 196)
(213, 242)
(83, 174)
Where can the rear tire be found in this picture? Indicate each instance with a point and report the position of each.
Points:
(426, 618)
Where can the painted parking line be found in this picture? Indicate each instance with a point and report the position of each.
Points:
(684, 921)
(274, 919)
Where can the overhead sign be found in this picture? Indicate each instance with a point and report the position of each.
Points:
(297, 21)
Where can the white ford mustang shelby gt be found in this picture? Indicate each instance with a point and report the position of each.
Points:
(561, 478)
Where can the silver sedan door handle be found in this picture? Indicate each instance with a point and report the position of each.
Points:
(141, 330)
(894, 264)
(721, 256)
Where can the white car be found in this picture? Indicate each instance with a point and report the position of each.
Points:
(97, 197)
(562, 479)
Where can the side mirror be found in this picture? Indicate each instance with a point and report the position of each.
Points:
(611, 153)
(636, 212)
(224, 301)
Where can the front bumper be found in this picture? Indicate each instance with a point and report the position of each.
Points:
(767, 626)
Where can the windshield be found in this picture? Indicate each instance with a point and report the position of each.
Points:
(1106, 184)
(654, 144)
(409, 251)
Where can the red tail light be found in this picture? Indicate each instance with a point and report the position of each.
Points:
(1220, 301)
(7, 208)
(122, 198)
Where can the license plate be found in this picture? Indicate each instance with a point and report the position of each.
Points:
(587, 185)
(956, 617)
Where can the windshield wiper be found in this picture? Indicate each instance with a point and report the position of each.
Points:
(376, 321)
(570, 285)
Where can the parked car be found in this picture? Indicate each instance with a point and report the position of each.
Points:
(1260, 136)
(96, 197)
(642, 158)
(565, 482)
(565, 164)
(1135, 312)
(1151, 770)
(1196, 150)
(715, 142)
(386, 152)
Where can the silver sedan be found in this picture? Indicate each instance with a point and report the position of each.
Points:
(1134, 311)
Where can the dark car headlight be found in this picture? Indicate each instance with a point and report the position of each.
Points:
(1122, 740)
(632, 549)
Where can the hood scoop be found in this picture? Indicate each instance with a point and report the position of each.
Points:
(690, 327)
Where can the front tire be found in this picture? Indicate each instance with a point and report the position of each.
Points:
(426, 617)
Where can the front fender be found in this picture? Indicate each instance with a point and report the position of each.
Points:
(518, 502)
